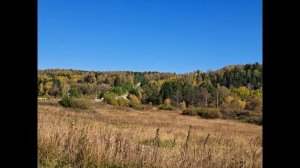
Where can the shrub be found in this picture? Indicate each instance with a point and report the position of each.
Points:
(252, 117)
(167, 102)
(136, 106)
(167, 105)
(110, 98)
(66, 101)
(191, 111)
(123, 102)
(243, 115)
(235, 113)
(134, 99)
(117, 90)
(79, 103)
(209, 113)
(254, 120)
(74, 92)
(136, 92)
(230, 113)
(182, 105)
(73, 102)
(101, 95)
(164, 107)
(127, 86)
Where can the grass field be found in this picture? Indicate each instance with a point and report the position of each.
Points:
(107, 136)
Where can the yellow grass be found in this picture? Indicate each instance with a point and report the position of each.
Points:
(106, 136)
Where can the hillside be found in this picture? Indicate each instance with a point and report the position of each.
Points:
(231, 92)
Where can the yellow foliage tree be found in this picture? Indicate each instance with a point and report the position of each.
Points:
(234, 103)
(47, 87)
(242, 92)
(228, 99)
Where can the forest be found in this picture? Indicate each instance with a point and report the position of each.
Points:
(233, 92)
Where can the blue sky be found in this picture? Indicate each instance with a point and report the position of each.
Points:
(148, 35)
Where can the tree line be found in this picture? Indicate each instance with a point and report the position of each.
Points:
(236, 87)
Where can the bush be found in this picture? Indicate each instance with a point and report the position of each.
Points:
(209, 113)
(74, 92)
(243, 115)
(182, 105)
(73, 102)
(134, 99)
(136, 92)
(110, 98)
(235, 114)
(118, 90)
(136, 106)
(101, 95)
(79, 103)
(254, 120)
(123, 102)
(230, 113)
(164, 107)
(66, 101)
(167, 102)
(252, 117)
(191, 111)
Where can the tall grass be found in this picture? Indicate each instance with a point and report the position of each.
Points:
(104, 139)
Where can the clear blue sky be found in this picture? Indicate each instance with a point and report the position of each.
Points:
(148, 35)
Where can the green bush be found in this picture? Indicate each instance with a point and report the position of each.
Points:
(118, 90)
(136, 92)
(74, 92)
(110, 98)
(101, 95)
(73, 102)
(209, 113)
(66, 101)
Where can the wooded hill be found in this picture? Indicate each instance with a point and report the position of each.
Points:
(233, 88)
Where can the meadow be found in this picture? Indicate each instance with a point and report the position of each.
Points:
(113, 137)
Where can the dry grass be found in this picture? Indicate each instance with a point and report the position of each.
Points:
(105, 136)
